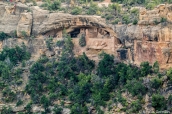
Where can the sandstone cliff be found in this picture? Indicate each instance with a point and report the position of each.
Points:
(150, 40)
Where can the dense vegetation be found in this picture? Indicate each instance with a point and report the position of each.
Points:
(14, 55)
(79, 83)
(120, 11)
(10, 75)
(3, 36)
(82, 83)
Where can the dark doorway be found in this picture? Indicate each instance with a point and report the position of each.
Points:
(156, 39)
(122, 54)
(74, 33)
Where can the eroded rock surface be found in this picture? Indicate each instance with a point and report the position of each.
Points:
(154, 16)
(27, 21)
(146, 41)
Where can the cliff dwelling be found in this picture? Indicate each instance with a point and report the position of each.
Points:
(98, 37)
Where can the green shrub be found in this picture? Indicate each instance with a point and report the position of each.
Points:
(24, 34)
(156, 67)
(76, 11)
(121, 99)
(158, 102)
(135, 11)
(78, 109)
(4, 72)
(150, 5)
(92, 9)
(15, 55)
(106, 65)
(52, 96)
(169, 100)
(116, 21)
(82, 41)
(126, 19)
(19, 82)
(57, 110)
(60, 43)
(43, 59)
(135, 22)
(6, 110)
(3, 36)
(145, 68)
(36, 67)
(45, 102)
(44, 5)
(163, 19)
(84, 64)
(169, 75)
(28, 108)
(19, 102)
(9, 95)
(156, 83)
(23, 63)
(115, 7)
(156, 22)
(136, 106)
(135, 87)
(49, 42)
(55, 5)
(99, 111)
(109, 17)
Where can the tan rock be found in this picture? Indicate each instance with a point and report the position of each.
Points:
(119, 106)
(66, 111)
(161, 11)
(144, 42)
(9, 17)
(1, 45)
(24, 24)
(37, 109)
(169, 16)
(161, 7)
(146, 98)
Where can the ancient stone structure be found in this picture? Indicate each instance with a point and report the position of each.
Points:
(150, 40)
(146, 41)
(33, 21)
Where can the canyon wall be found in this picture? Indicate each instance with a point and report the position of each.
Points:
(150, 40)
(151, 17)
(146, 43)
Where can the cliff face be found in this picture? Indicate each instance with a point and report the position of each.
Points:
(149, 41)
(150, 17)
(24, 18)
(146, 43)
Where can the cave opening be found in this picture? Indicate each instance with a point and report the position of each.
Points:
(122, 54)
(108, 33)
(75, 33)
(156, 39)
